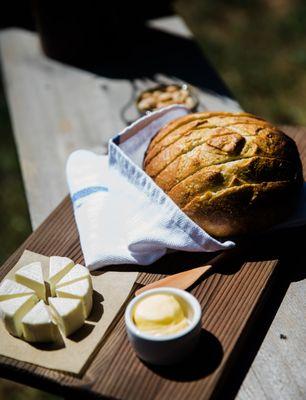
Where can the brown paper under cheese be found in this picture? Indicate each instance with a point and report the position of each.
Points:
(111, 289)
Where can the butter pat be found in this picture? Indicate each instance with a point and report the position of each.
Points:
(59, 266)
(77, 273)
(13, 310)
(37, 325)
(31, 276)
(160, 314)
(67, 314)
(81, 290)
(10, 289)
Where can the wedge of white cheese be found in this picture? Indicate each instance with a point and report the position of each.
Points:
(13, 310)
(31, 275)
(37, 325)
(58, 267)
(78, 290)
(10, 289)
(67, 314)
(77, 273)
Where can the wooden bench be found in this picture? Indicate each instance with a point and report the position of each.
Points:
(56, 109)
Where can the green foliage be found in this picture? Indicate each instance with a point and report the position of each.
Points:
(14, 391)
(259, 48)
(15, 224)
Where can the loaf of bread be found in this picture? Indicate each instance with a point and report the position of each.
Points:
(232, 173)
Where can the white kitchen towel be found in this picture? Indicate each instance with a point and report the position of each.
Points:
(122, 216)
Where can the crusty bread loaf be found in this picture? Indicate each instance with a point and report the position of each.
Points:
(232, 173)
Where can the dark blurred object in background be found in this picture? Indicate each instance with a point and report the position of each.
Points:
(258, 47)
(16, 13)
(74, 31)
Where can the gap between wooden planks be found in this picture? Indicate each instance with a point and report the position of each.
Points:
(230, 299)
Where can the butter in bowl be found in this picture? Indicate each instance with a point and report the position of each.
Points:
(163, 325)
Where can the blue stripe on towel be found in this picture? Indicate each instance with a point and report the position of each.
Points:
(87, 191)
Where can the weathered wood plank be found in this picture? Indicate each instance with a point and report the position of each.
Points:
(56, 108)
(54, 111)
(229, 298)
(279, 369)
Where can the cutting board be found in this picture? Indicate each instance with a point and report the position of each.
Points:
(232, 300)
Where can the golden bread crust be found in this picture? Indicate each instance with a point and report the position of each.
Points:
(232, 173)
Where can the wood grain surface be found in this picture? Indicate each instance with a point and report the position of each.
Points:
(232, 300)
(56, 108)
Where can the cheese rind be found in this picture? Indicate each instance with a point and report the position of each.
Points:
(10, 289)
(67, 314)
(77, 273)
(58, 267)
(39, 322)
(13, 310)
(31, 275)
(78, 290)
(37, 325)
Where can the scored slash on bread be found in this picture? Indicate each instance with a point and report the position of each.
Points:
(232, 173)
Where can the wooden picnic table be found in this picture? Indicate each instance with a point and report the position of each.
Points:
(56, 108)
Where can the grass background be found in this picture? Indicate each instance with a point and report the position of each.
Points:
(259, 49)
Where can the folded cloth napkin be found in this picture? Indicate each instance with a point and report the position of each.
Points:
(122, 216)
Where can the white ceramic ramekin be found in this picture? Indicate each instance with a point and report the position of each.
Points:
(166, 349)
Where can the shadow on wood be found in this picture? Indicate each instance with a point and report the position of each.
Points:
(291, 267)
(158, 57)
(202, 362)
